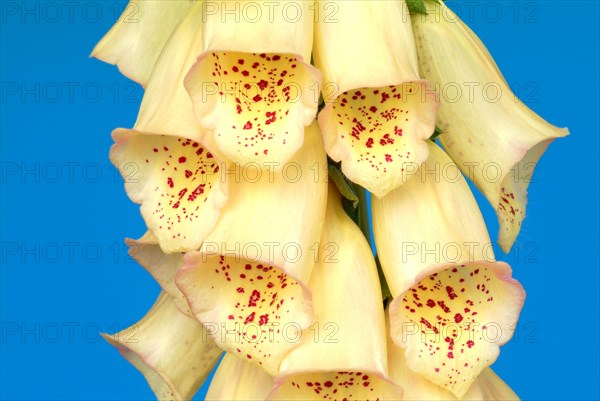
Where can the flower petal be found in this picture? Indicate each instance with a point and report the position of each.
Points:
(176, 181)
(257, 104)
(488, 385)
(255, 89)
(432, 219)
(378, 111)
(134, 43)
(170, 349)
(166, 108)
(494, 137)
(237, 380)
(243, 305)
(347, 360)
(251, 272)
(163, 267)
(453, 321)
(453, 304)
(260, 26)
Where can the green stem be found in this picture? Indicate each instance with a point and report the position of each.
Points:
(363, 213)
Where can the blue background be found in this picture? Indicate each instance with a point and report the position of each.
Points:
(549, 50)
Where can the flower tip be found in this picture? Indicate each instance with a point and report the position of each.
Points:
(110, 338)
(506, 240)
(562, 132)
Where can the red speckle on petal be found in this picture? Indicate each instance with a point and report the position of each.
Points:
(250, 318)
(253, 298)
(264, 319)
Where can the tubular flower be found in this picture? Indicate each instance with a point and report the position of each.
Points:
(493, 136)
(136, 40)
(164, 160)
(238, 380)
(378, 111)
(250, 275)
(253, 85)
(453, 304)
(349, 362)
(259, 256)
(488, 386)
(170, 349)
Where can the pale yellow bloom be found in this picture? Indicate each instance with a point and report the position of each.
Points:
(492, 136)
(454, 305)
(253, 85)
(172, 350)
(378, 111)
(348, 358)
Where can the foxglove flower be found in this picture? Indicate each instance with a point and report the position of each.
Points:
(254, 252)
(168, 346)
(351, 362)
(253, 85)
(251, 273)
(378, 111)
(453, 304)
(171, 349)
(493, 136)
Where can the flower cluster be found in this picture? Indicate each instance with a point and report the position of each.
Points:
(249, 108)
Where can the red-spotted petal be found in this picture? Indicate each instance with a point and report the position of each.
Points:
(257, 104)
(342, 385)
(379, 133)
(246, 306)
(487, 386)
(176, 181)
(453, 321)
(378, 111)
